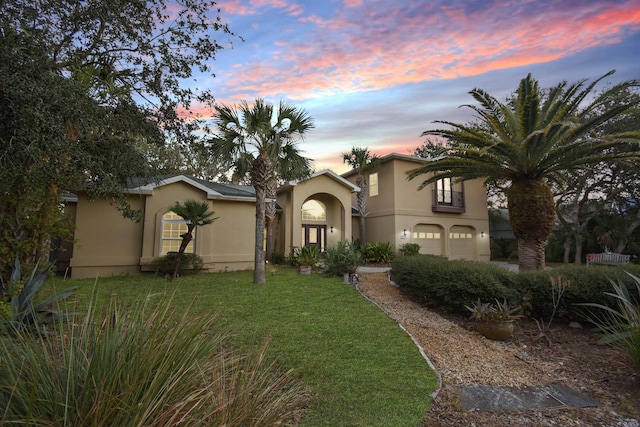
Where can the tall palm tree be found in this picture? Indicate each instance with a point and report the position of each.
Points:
(530, 140)
(196, 214)
(288, 165)
(260, 139)
(363, 162)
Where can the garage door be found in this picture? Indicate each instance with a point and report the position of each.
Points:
(429, 237)
(462, 243)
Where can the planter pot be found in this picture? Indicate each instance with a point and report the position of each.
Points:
(305, 269)
(497, 330)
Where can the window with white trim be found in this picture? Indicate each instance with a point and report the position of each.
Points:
(373, 184)
(173, 226)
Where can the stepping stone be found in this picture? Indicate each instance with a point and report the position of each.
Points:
(488, 398)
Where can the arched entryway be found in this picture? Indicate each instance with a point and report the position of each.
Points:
(315, 212)
(314, 224)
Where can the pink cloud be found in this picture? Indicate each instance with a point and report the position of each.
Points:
(369, 48)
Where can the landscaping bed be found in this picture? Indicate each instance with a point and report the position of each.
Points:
(463, 357)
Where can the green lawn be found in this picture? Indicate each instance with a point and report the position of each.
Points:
(363, 369)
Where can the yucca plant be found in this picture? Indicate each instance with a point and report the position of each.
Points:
(146, 364)
(620, 327)
(20, 297)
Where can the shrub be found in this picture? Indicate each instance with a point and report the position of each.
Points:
(378, 252)
(436, 281)
(17, 300)
(278, 258)
(306, 256)
(620, 325)
(165, 265)
(142, 365)
(341, 259)
(409, 249)
(451, 284)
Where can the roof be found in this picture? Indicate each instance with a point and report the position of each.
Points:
(390, 157)
(325, 172)
(214, 190)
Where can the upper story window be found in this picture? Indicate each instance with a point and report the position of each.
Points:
(444, 191)
(448, 196)
(373, 184)
(173, 226)
(314, 210)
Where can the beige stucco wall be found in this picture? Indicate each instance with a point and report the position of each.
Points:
(108, 244)
(226, 244)
(399, 205)
(335, 195)
(105, 242)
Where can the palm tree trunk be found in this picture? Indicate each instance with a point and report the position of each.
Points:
(362, 208)
(270, 216)
(531, 254)
(260, 172)
(259, 273)
(186, 238)
(532, 214)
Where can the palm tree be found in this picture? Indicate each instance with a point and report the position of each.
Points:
(363, 162)
(288, 165)
(532, 140)
(260, 139)
(196, 214)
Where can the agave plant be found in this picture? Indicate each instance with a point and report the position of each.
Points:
(21, 296)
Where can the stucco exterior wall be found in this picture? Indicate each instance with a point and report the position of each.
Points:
(108, 244)
(335, 195)
(400, 206)
(226, 244)
(105, 242)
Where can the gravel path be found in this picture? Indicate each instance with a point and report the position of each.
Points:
(464, 357)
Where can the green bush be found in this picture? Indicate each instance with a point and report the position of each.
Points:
(278, 258)
(436, 281)
(190, 263)
(620, 325)
(306, 256)
(586, 285)
(341, 259)
(144, 364)
(451, 285)
(378, 252)
(409, 249)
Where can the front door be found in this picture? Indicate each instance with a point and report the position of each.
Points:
(314, 235)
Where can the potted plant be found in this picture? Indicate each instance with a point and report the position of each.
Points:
(306, 257)
(494, 320)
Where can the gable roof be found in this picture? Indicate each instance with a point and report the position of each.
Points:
(390, 157)
(325, 172)
(214, 190)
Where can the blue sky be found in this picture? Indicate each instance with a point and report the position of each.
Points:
(377, 74)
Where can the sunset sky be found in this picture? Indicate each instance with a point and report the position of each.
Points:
(377, 73)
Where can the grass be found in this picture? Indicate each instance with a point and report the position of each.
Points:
(363, 370)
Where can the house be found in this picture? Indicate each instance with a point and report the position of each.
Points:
(450, 219)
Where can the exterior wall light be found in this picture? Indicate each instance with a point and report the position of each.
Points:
(332, 228)
(404, 232)
(482, 234)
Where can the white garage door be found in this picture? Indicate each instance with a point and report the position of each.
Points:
(429, 237)
(462, 243)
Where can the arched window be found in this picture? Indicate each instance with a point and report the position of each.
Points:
(314, 210)
(173, 226)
